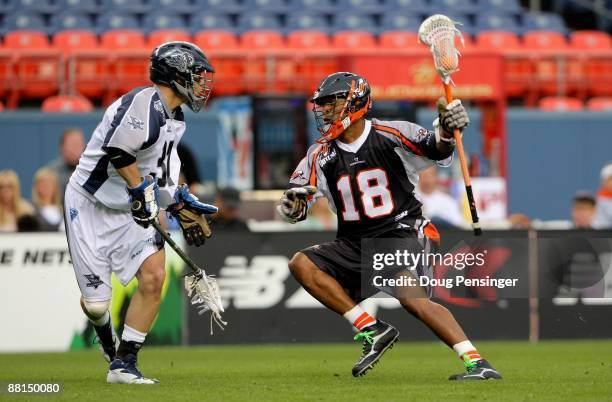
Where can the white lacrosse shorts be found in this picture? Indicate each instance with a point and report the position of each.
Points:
(103, 240)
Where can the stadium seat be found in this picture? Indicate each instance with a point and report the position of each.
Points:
(270, 6)
(496, 21)
(354, 21)
(64, 21)
(453, 6)
(160, 36)
(308, 21)
(87, 68)
(559, 103)
(219, 6)
(112, 21)
(130, 63)
(493, 6)
(362, 6)
(544, 40)
(67, 104)
(353, 41)
(310, 69)
(405, 6)
(547, 68)
(39, 6)
(74, 39)
(600, 104)
(518, 70)
(209, 20)
(258, 20)
(543, 22)
(84, 6)
(121, 39)
(24, 21)
(262, 39)
(315, 6)
(398, 40)
(163, 20)
(399, 22)
(1, 107)
(306, 39)
(590, 40)
(172, 6)
(131, 6)
(228, 79)
(37, 71)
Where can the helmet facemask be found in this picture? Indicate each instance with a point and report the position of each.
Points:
(196, 89)
(335, 113)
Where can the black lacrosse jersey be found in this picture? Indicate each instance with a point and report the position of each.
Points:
(370, 183)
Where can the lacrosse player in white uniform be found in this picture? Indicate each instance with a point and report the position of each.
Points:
(128, 171)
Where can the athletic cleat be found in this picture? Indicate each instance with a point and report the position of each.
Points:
(124, 371)
(481, 370)
(377, 338)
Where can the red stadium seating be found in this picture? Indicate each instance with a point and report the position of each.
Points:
(87, 69)
(263, 73)
(600, 104)
(1, 107)
(129, 61)
(67, 104)
(594, 68)
(590, 40)
(398, 40)
(228, 68)
(349, 41)
(36, 72)
(316, 63)
(557, 103)
(518, 70)
(544, 47)
(160, 36)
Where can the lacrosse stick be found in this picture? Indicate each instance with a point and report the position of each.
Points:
(201, 288)
(439, 32)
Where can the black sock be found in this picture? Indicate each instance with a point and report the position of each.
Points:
(128, 348)
(105, 334)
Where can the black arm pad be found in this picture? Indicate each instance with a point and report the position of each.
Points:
(119, 158)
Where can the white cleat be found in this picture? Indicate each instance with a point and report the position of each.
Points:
(125, 372)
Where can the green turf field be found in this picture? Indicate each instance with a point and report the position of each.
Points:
(577, 371)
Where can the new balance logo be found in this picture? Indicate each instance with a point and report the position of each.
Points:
(73, 214)
(256, 286)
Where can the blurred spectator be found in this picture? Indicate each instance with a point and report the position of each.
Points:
(603, 210)
(72, 144)
(228, 201)
(519, 221)
(46, 199)
(583, 209)
(12, 206)
(442, 209)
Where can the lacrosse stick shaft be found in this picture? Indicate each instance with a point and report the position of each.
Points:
(176, 248)
(466, 174)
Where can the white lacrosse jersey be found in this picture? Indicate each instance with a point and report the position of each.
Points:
(140, 124)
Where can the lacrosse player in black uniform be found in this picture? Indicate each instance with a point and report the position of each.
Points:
(368, 170)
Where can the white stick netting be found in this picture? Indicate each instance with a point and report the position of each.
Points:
(439, 32)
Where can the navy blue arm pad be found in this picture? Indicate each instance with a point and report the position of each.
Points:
(119, 158)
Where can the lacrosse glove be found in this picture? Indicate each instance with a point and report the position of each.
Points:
(144, 201)
(451, 116)
(293, 205)
(189, 211)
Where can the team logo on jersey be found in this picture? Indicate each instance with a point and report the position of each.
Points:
(135, 124)
(356, 161)
(73, 214)
(157, 105)
(330, 156)
(298, 174)
(93, 281)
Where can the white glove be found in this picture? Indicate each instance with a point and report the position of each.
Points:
(293, 205)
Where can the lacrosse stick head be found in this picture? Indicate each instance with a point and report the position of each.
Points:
(205, 296)
(439, 32)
